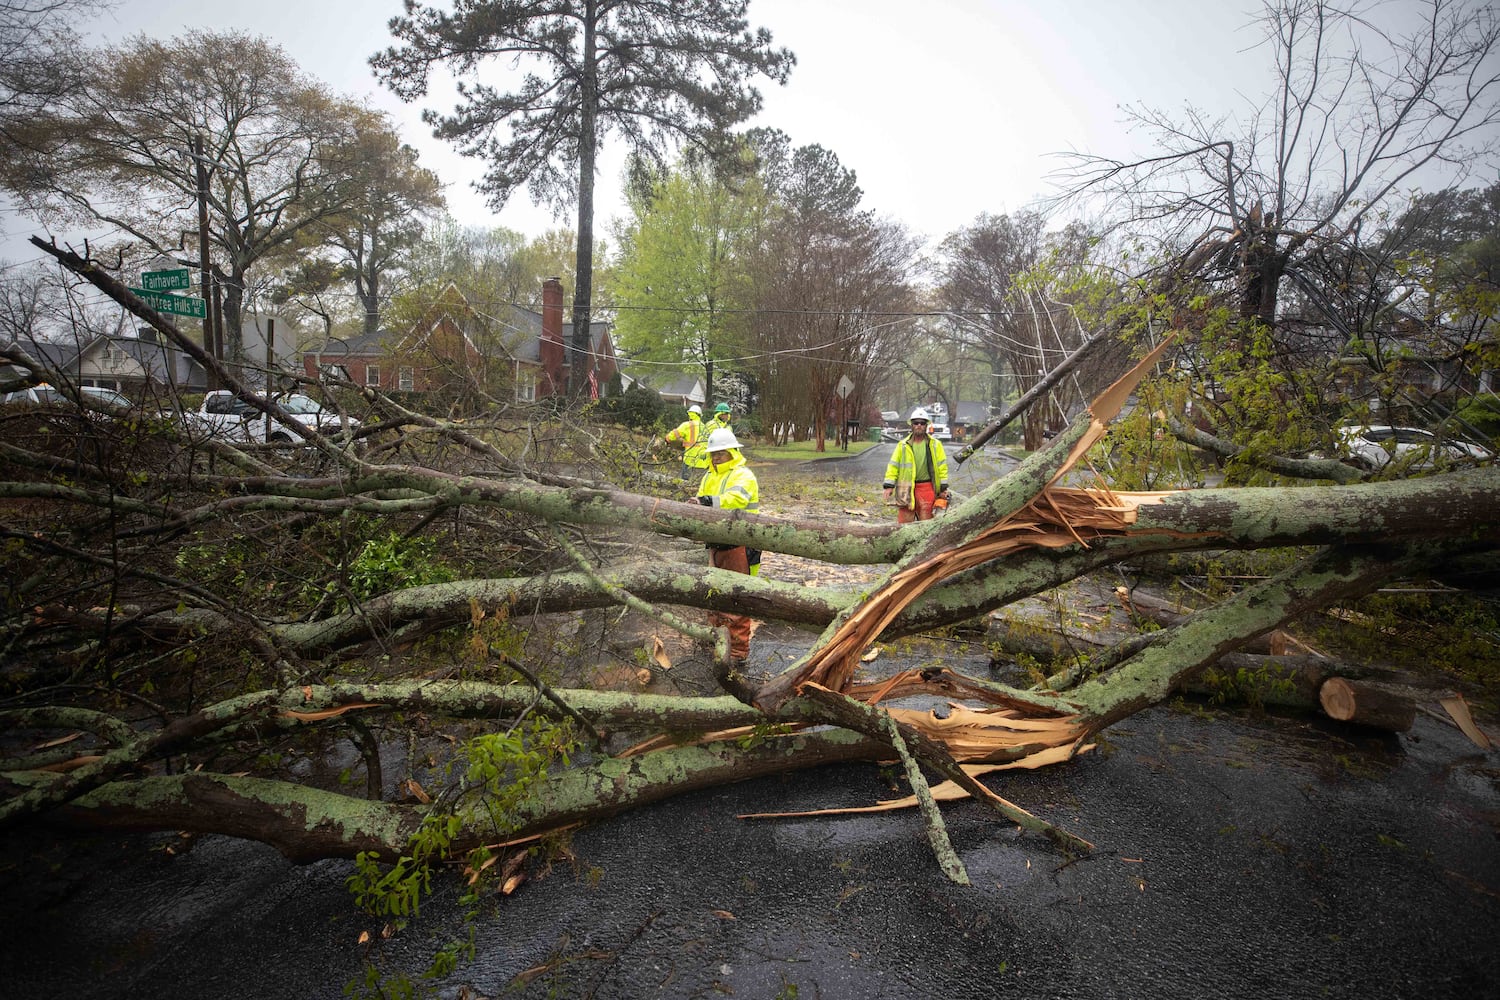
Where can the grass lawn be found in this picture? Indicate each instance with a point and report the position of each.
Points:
(806, 451)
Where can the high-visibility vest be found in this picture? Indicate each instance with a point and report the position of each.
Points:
(901, 471)
(731, 485)
(692, 435)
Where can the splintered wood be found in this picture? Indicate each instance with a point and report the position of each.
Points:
(1057, 518)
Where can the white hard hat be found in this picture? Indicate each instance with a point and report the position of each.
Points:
(919, 414)
(695, 408)
(722, 439)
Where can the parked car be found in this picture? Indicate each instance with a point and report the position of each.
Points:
(226, 416)
(92, 397)
(1375, 446)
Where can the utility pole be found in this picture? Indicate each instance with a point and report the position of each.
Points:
(212, 341)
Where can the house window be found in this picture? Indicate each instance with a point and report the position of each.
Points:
(372, 375)
(406, 379)
(526, 387)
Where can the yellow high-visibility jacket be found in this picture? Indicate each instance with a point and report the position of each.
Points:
(691, 433)
(731, 486)
(901, 471)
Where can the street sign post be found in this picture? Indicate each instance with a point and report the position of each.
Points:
(176, 305)
(843, 389)
(175, 279)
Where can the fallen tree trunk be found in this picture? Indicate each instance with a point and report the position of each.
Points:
(173, 571)
(1367, 703)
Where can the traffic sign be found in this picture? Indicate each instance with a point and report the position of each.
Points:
(176, 305)
(844, 387)
(162, 281)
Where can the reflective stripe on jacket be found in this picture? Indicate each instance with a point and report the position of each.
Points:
(901, 471)
(692, 434)
(731, 486)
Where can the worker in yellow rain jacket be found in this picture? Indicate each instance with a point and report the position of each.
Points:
(730, 485)
(721, 418)
(917, 474)
(690, 434)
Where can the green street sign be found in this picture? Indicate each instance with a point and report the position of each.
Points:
(176, 305)
(163, 281)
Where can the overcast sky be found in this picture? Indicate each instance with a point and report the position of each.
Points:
(944, 109)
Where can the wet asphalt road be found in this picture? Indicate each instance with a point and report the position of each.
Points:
(1236, 858)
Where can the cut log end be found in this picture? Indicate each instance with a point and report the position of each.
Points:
(1366, 704)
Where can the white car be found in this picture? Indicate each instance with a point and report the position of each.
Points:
(227, 417)
(1375, 446)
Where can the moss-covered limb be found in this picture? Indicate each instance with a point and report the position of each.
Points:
(599, 505)
(177, 735)
(1457, 504)
(937, 830)
(604, 788)
(478, 700)
(1299, 468)
(1450, 504)
(73, 495)
(1461, 503)
(107, 727)
(308, 824)
(305, 824)
(662, 582)
(49, 718)
(1151, 675)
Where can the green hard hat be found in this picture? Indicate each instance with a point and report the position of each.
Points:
(722, 408)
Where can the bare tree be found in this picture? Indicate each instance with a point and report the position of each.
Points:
(1013, 300)
(1371, 98)
(123, 146)
(390, 199)
(831, 289)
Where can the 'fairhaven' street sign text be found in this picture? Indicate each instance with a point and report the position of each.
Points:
(163, 281)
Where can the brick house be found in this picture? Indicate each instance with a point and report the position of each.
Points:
(456, 353)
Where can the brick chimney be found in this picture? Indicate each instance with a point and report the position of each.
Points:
(552, 352)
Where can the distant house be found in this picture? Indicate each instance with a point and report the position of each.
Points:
(684, 391)
(969, 418)
(137, 366)
(455, 349)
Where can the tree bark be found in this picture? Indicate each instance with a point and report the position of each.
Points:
(1366, 703)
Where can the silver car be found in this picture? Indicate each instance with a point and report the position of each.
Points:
(1375, 446)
